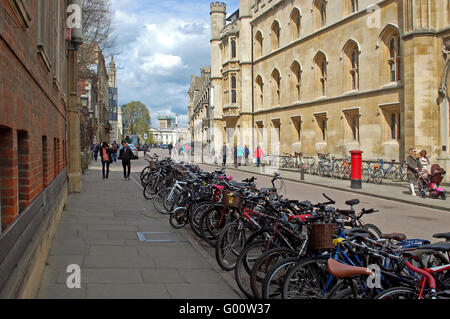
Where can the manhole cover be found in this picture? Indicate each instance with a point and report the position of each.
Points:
(157, 237)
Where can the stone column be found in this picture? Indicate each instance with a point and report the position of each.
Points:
(73, 125)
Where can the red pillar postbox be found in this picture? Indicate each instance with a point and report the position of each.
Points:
(356, 169)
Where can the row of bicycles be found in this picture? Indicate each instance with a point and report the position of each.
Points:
(327, 166)
(288, 249)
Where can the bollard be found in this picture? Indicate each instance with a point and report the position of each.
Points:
(356, 169)
(302, 174)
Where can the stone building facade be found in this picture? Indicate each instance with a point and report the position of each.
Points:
(33, 146)
(200, 114)
(331, 76)
(113, 103)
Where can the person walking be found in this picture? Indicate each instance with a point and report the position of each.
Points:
(170, 149)
(240, 154)
(413, 170)
(114, 149)
(424, 160)
(106, 157)
(235, 156)
(126, 155)
(224, 154)
(247, 153)
(96, 149)
(258, 154)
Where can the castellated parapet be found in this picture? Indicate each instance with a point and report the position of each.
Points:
(218, 7)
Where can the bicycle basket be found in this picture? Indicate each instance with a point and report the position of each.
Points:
(229, 200)
(322, 236)
(152, 165)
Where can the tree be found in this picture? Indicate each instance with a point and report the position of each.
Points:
(136, 117)
(98, 28)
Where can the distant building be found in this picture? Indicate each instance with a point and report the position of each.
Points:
(113, 103)
(169, 132)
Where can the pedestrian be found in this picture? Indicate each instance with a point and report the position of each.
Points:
(106, 157)
(170, 149)
(224, 154)
(258, 154)
(240, 154)
(413, 170)
(114, 149)
(145, 148)
(247, 153)
(235, 156)
(126, 155)
(96, 149)
(424, 160)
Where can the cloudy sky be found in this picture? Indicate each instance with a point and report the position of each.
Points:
(161, 44)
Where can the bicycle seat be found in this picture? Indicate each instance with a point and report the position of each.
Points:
(340, 270)
(394, 236)
(352, 202)
(445, 236)
(444, 247)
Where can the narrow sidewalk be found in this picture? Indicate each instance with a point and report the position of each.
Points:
(396, 192)
(99, 232)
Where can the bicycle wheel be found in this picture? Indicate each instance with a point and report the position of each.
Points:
(229, 244)
(148, 191)
(262, 266)
(210, 225)
(194, 218)
(378, 177)
(273, 283)
(365, 175)
(178, 218)
(398, 293)
(307, 279)
(374, 229)
(158, 201)
(244, 264)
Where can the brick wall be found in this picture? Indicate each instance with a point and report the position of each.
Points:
(32, 109)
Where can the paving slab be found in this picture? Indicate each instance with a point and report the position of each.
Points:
(103, 240)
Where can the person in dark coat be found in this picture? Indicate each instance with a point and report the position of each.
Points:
(246, 153)
(414, 168)
(126, 154)
(106, 157)
(224, 154)
(96, 149)
(235, 156)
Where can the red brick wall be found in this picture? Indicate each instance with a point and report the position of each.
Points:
(31, 107)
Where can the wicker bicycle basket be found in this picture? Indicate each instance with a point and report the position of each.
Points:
(322, 236)
(152, 165)
(229, 200)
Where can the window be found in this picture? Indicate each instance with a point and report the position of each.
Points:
(297, 123)
(276, 84)
(23, 165)
(394, 59)
(320, 13)
(391, 127)
(275, 35)
(8, 185)
(259, 92)
(351, 65)
(321, 133)
(233, 49)
(258, 44)
(395, 126)
(296, 81)
(43, 28)
(352, 119)
(391, 53)
(321, 74)
(44, 162)
(354, 5)
(295, 24)
(233, 89)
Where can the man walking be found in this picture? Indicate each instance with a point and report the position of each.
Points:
(235, 156)
(96, 149)
(114, 150)
(258, 154)
(247, 153)
(126, 155)
(224, 154)
(170, 149)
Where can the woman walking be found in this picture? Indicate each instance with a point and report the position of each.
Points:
(413, 170)
(106, 157)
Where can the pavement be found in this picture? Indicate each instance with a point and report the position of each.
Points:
(99, 233)
(398, 192)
